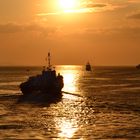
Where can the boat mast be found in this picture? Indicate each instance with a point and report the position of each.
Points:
(49, 60)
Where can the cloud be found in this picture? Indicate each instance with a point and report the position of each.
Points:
(88, 6)
(10, 28)
(49, 14)
(33, 27)
(134, 1)
(93, 5)
(48, 31)
(116, 32)
(134, 16)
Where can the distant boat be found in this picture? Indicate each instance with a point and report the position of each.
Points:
(138, 66)
(88, 67)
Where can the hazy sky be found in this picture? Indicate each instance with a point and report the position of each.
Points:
(104, 32)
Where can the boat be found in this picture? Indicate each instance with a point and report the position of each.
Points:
(138, 66)
(47, 84)
(88, 67)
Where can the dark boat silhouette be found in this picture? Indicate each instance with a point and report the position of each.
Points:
(138, 66)
(88, 67)
(45, 85)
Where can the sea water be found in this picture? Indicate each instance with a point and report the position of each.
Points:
(100, 104)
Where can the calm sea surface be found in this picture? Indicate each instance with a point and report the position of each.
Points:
(102, 104)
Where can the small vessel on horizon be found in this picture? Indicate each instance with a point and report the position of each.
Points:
(88, 67)
(47, 83)
(138, 66)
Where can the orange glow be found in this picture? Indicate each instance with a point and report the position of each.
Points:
(74, 30)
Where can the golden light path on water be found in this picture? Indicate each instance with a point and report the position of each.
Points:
(71, 75)
(67, 125)
(67, 129)
(69, 80)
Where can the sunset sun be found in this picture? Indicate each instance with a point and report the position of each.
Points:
(68, 4)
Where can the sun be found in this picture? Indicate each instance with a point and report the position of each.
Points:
(67, 4)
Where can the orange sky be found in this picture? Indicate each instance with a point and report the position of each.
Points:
(104, 32)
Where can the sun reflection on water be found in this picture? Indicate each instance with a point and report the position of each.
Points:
(71, 75)
(67, 129)
(68, 124)
(69, 81)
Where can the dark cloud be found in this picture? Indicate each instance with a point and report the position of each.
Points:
(14, 28)
(97, 5)
(134, 1)
(119, 32)
(134, 16)
(10, 28)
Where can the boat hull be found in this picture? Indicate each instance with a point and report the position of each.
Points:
(39, 97)
(88, 68)
(138, 66)
(53, 89)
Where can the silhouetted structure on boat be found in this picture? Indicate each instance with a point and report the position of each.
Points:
(138, 66)
(47, 83)
(88, 67)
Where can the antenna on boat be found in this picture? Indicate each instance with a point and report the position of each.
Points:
(49, 60)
